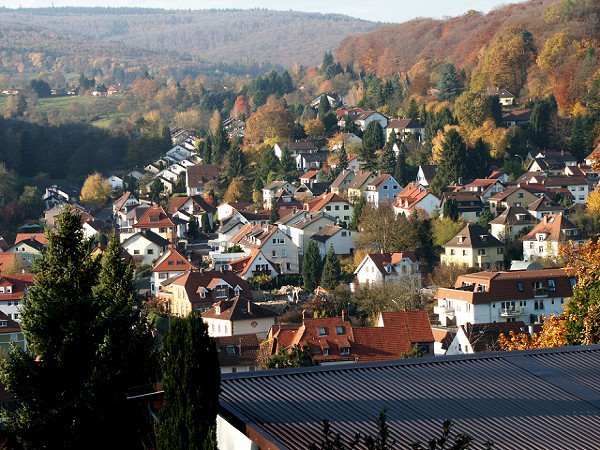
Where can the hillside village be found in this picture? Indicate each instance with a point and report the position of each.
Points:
(315, 248)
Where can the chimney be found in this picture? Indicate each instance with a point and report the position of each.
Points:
(249, 308)
(222, 269)
(530, 330)
(343, 314)
(303, 314)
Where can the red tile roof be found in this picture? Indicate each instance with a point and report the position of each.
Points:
(154, 217)
(319, 203)
(552, 225)
(410, 196)
(19, 284)
(40, 237)
(173, 261)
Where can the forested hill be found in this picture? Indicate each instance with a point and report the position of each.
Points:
(232, 36)
(533, 48)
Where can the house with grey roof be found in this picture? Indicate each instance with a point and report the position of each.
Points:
(474, 246)
(340, 239)
(512, 221)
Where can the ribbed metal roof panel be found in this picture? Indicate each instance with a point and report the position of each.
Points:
(515, 400)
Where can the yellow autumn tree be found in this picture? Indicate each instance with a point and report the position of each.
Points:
(95, 191)
(314, 128)
(553, 334)
(237, 191)
(593, 201)
(272, 121)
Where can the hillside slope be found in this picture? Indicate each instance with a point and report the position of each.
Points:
(255, 36)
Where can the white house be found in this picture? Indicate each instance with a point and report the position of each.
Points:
(404, 128)
(170, 264)
(145, 246)
(415, 197)
(236, 316)
(382, 267)
(425, 174)
(546, 238)
(382, 189)
(483, 337)
(227, 210)
(511, 222)
(333, 205)
(302, 230)
(198, 176)
(271, 191)
(256, 263)
(341, 239)
(115, 182)
(295, 148)
(509, 296)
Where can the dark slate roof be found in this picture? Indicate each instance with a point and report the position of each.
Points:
(547, 398)
(239, 350)
(473, 236)
(484, 336)
(515, 215)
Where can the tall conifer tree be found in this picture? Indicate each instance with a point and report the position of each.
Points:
(311, 266)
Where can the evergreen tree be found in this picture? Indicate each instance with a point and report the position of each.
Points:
(373, 139)
(387, 158)
(287, 165)
(206, 149)
(268, 163)
(454, 163)
(311, 266)
(220, 144)
(450, 209)
(412, 112)
(343, 164)
(540, 121)
(449, 86)
(324, 106)
(87, 344)
(332, 271)
(481, 161)
(400, 168)
(205, 224)
(192, 381)
(274, 214)
(236, 165)
(359, 206)
(193, 227)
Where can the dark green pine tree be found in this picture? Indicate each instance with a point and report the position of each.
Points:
(539, 121)
(387, 158)
(359, 206)
(450, 209)
(324, 106)
(332, 270)
(192, 382)
(481, 161)
(412, 112)
(236, 163)
(343, 164)
(287, 165)
(206, 149)
(311, 266)
(373, 139)
(220, 144)
(274, 214)
(449, 85)
(267, 164)
(454, 162)
(400, 168)
(86, 347)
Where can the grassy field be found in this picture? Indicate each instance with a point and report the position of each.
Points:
(47, 104)
(106, 121)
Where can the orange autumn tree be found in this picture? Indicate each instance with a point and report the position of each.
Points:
(553, 334)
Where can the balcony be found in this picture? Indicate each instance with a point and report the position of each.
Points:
(540, 292)
(447, 310)
(512, 312)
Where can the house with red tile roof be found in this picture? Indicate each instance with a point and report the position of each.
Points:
(39, 237)
(331, 204)
(309, 177)
(378, 268)
(484, 188)
(169, 265)
(156, 219)
(238, 315)
(273, 242)
(188, 206)
(12, 291)
(29, 247)
(256, 263)
(334, 340)
(198, 290)
(382, 189)
(546, 238)
(506, 296)
(127, 199)
(10, 334)
(415, 197)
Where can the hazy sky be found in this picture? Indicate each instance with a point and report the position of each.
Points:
(378, 10)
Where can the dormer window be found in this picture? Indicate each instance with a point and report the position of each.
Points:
(154, 218)
(230, 350)
(1, 289)
(344, 350)
(322, 331)
(339, 330)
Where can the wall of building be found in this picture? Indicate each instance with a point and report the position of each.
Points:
(230, 438)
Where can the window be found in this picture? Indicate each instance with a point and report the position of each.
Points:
(322, 331)
(288, 266)
(500, 251)
(520, 195)
(230, 350)
(508, 305)
(136, 252)
(151, 251)
(339, 330)
(551, 285)
(343, 233)
(481, 251)
(337, 207)
(464, 253)
(452, 251)
(170, 263)
(328, 208)
(283, 253)
(539, 304)
(221, 292)
(344, 350)
(326, 351)
(9, 303)
(16, 316)
(520, 286)
(346, 218)
(346, 207)
(16, 303)
(233, 369)
(274, 253)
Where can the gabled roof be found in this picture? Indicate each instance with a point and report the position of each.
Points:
(343, 176)
(411, 196)
(39, 237)
(238, 350)
(361, 179)
(195, 280)
(520, 115)
(319, 203)
(312, 218)
(149, 235)
(118, 204)
(552, 226)
(544, 204)
(298, 146)
(515, 215)
(310, 174)
(172, 261)
(501, 196)
(404, 123)
(238, 308)
(176, 203)
(473, 236)
(249, 234)
(379, 180)
(500, 92)
(327, 232)
(154, 217)
(200, 174)
(384, 260)
(19, 284)
(429, 171)
(243, 265)
(11, 326)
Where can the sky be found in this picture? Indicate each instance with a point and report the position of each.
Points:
(374, 10)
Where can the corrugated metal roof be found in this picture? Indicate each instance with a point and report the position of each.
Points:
(546, 399)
